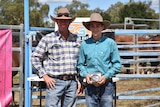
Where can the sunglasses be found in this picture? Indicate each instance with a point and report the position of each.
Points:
(63, 14)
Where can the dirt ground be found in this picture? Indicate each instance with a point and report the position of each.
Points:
(138, 84)
(121, 86)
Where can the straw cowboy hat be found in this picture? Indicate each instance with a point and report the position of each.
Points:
(63, 13)
(96, 17)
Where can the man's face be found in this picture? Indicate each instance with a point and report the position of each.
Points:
(63, 24)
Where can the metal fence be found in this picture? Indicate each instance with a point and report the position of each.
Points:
(133, 61)
(17, 32)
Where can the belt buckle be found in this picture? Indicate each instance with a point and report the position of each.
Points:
(65, 77)
(95, 76)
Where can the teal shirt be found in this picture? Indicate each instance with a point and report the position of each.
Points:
(99, 56)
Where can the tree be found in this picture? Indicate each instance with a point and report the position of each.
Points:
(76, 8)
(104, 14)
(38, 13)
(113, 12)
(139, 10)
(83, 13)
(12, 12)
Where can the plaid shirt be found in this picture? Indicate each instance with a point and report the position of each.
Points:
(61, 58)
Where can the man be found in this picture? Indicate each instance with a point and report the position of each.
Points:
(59, 68)
(98, 62)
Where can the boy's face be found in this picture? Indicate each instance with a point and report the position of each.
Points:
(96, 28)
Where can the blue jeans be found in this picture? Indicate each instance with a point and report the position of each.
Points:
(65, 92)
(101, 96)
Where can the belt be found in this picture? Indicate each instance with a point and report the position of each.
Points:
(109, 80)
(65, 77)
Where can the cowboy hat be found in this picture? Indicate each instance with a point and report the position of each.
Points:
(63, 13)
(96, 17)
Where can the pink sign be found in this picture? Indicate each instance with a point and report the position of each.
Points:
(5, 67)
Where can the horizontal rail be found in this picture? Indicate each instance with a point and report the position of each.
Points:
(40, 29)
(146, 42)
(16, 49)
(139, 46)
(139, 61)
(138, 97)
(16, 89)
(151, 67)
(127, 76)
(139, 53)
(138, 91)
(11, 26)
(16, 69)
(128, 32)
(16, 33)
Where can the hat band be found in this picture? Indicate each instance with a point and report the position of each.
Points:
(63, 14)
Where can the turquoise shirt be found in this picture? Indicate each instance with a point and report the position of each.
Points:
(99, 56)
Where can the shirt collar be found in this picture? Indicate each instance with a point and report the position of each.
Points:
(103, 37)
(71, 36)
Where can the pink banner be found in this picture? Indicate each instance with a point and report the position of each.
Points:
(5, 67)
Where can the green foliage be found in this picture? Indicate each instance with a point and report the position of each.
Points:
(9, 11)
(138, 10)
(83, 13)
(117, 12)
(113, 12)
(12, 12)
(75, 6)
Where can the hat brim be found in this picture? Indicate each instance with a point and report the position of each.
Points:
(63, 17)
(105, 23)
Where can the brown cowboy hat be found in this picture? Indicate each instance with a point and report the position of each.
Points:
(96, 17)
(63, 13)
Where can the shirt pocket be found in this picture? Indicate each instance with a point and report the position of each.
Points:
(101, 54)
(55, 51)
(104, 55)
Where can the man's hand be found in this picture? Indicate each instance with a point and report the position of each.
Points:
(50, 82)
(80, 89)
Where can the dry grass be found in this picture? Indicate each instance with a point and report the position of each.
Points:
(138, 84)
(122, 86)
